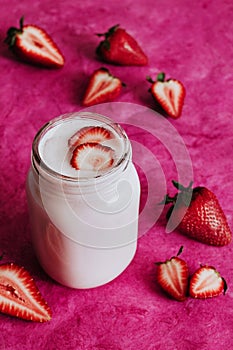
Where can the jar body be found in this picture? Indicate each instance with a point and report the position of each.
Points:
(84, 238)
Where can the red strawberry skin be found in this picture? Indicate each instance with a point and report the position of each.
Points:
(102, 87)
(206, 282)
(32, 44)
(203, 219)
(19, 295)
(172, 276)
(121, 48)
(95, 134)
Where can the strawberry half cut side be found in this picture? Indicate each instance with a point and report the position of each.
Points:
(102, 87)
(206, 282)
(19, 295)
(92, 156)
(87, 134)
(32, 44)
(169, 94)
(172, 276)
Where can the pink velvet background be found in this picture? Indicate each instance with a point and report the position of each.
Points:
(190, 41)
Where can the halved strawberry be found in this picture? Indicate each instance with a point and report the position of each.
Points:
(96, 134)
(169, 94)
(119, 47)
(172, 276)
(92, 156)
(206, 282)
(32, 44)
(19, 295)
(102, 87)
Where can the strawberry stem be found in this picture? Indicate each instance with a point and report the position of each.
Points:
(185, 195)
(181, 187)
(185, 192)
(12, 32)
(180, 251)
(109, 32)
(161, 77)
(21, 23)
(148, 78)
(167, 199)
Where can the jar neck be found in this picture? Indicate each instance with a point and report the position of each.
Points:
(46, 174)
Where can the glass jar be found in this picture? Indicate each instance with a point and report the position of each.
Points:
(84, 225)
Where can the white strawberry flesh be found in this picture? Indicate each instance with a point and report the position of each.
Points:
(206, 283)
(170, 95)
(102, 87)
(19, 295)
(172, 275)
(87, 134)
(34, 40)
(92, 156)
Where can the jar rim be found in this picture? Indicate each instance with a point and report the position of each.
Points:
(39, 164)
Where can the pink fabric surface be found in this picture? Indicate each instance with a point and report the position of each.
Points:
(190, 41)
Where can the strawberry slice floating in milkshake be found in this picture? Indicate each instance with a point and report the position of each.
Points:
(92, 156)
(97, 134)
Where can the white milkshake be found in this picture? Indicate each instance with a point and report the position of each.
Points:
(84, 221)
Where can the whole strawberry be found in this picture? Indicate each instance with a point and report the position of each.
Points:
(120, 48)
(198, 214)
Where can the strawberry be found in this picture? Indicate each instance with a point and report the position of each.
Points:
(32, 44)
(19, 295)
(92, 156)
(169, 94)
(198, 214)
(102, 87)
(206, 282)
(172, 276)
(120, 48)
(90, 134)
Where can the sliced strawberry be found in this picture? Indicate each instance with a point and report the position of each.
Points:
(119, 47)
(92, 156)
(96, 134)
(169, 94)
(102, 87)
(172, 276)
(19, 295)
(206, 282)
(32, 44)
